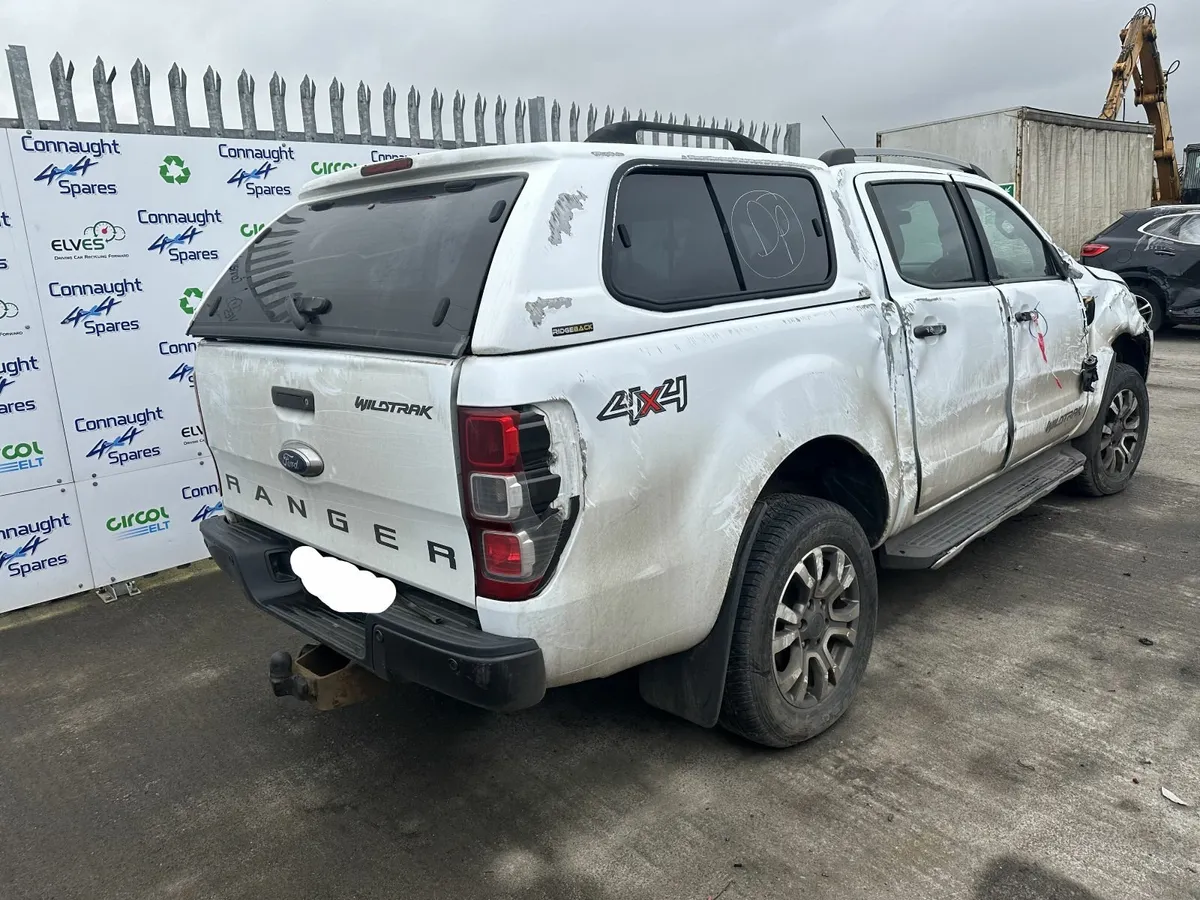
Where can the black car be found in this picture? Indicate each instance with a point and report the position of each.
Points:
(1157, 252)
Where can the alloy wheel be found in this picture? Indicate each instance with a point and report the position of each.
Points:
(815, 626)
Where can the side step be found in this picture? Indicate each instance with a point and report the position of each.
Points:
(934, 541)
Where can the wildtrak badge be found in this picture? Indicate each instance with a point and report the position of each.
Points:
(392, 406)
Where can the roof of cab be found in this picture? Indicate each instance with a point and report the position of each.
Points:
(457, 160)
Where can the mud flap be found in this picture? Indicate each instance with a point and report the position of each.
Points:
(691, 684)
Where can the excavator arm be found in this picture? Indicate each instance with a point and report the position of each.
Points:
(1140, 61)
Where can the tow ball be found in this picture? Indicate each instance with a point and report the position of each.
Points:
(323, 677)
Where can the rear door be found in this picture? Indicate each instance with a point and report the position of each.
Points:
(327, 375)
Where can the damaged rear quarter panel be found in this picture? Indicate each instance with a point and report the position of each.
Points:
(665, 499)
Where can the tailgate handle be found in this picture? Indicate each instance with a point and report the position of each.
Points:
(291, 398)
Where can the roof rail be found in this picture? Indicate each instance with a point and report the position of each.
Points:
(843, 156)
(627, 132)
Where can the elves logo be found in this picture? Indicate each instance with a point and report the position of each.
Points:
(635, 403)
(404, 409)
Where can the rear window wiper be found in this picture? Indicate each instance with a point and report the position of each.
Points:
(302, 309)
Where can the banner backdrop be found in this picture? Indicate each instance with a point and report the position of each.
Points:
(107, 244)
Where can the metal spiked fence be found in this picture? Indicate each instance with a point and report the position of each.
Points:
(531, 120)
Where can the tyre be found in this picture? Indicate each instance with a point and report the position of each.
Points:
(805, 623)
(1113, 445)
(1150, 304)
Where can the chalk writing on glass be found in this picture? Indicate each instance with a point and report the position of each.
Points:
(767, 233)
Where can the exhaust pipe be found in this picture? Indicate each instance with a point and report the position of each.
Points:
(323, 677)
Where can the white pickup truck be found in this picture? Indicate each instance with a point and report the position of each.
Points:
(583, 407)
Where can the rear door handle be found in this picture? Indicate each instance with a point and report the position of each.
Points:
(1164, 252)
(925, 331)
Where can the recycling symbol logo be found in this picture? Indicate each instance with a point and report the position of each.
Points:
(190, 297)
(174, 170)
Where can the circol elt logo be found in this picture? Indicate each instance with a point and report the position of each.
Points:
(20, 457)
(139, 524)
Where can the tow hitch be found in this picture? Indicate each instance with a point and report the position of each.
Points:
(322, 677)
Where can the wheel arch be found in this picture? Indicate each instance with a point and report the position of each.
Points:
(833, 467)
(1133, 350)
(837, 468)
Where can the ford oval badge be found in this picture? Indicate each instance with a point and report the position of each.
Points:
(301, 459)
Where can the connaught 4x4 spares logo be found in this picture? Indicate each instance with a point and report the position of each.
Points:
(100, 308)
(5, 222)
(183, 374)
(179, 242)
(254, 176)
(14, 391)
(211, 507)
(28, 547)
(78, 168)
(122, 439)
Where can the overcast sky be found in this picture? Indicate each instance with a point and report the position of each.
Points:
(866, 64)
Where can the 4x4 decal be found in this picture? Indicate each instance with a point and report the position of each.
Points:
(635, 403)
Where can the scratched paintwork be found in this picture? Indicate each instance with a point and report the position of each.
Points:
(562, 214)
(538, 308)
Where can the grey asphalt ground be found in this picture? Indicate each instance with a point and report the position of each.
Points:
(1010, 743)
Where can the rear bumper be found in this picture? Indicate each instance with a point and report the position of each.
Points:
(419, 638)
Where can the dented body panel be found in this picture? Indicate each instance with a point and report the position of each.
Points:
(671, 423)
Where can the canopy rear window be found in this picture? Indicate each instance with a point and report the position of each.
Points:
(401, 270)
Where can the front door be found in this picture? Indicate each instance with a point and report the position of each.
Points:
(1046, 319)
(956, 328)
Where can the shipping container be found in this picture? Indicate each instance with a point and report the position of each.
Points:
(1074, 174)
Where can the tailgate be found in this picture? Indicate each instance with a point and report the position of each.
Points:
(388, 495)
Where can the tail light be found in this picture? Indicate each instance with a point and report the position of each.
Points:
(1093, 249)
(520, 492)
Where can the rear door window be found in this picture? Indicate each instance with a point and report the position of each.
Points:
(401, 269)
(923, 233)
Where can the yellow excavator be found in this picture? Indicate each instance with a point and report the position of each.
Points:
(1139, 60)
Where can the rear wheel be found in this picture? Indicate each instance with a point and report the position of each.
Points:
(805, 623)
(1114, 444)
